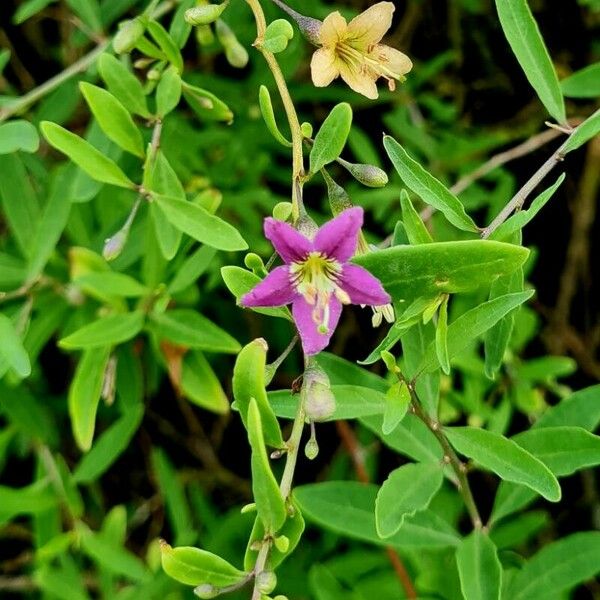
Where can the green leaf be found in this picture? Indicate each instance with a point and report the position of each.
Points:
(519, 219)
(88, 11)
(113, 118)
(471, 324)
(85, 156)
(168, 92)
(106, 331)
(206, 105)
(526, 42)
(249, 383)
(427, 187)
(584, 132)
(397, 403)
(408, 489)
(111, 284)
(12, 349)
(413, 224)
(112, 557)
(505, 458)
(479, 569)
(270, 504)
(18, 135)
(564, 450)
(331, 137)
(166, 44)
(28, 9)
(351, 402)
(584, 83)
(557, 568)
(348, 508)
(519, 530)
(192, 566)
(199, 224)
(32, 499)
(201, 386)
(510, 497)
(240, 282)
(581, 409)
(441, 337)
(408, 272)
(188, 328)
(123, 84)
(191, 269)
(62, 584)
(108, 447)
(266, 109)
(84, 394)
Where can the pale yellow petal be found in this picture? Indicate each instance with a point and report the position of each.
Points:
(391, 60)
(369, 27)
(333, 29)
(323, 67)
(360, 80)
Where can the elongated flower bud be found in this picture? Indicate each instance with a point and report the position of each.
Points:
(206, 591)
(319, 401)
(114, 245)
(235, 53)
(204, 15)
(128, 35)
(368, 175)
(266, 582)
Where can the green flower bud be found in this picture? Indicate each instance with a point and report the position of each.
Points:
(307, 129)
(311, 450)
(338, 197)
(113, 246)
(319, 401)
(255, 263)
(368, 175)
(204, 15)
(128, 35)
(206, 591)
(266, 582)
(235, 53)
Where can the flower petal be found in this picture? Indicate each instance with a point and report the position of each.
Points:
(393, 60)
(361, 80)
(362, 287)
(323, 67)
(291, 245)
(370, 26)
(313, 341)
(338, 238)
(274, 290)
(333, 29)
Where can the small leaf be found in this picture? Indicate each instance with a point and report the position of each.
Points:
(581, 409)
(166, 44)
(111, 284)
(205, 104)
(12, 349)
(331, 137)
(192, 566)
(84, 394)
(408, 489)
(479, 569)
(199, 224)
(123, 84)
(426, 186)
(584, 83)
(471, 324)
(18, 135)
(558, 567)
(85, 156)
(505, 458)
(413, 224)
(397, 403)
(441, 337)
(249, 383)
(168, 92)
(270, 504)
(106, 331)
(113, 118)
(584, 132)
(526, 42)
(266, 109)
(200, 384)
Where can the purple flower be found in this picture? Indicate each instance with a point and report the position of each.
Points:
(317, 277)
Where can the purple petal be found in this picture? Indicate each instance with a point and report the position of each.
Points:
(312, 340)
(291, 245)
(362, 287)
(274, 290)
(338, 238)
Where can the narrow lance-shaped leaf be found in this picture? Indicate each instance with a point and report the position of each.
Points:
(168, 91)
(397, 403)
(331, 137)
(408, 489)
(584, 132)
(85, 156)
(527, 43)
(479, 569)
(584, 83)
(266, 109)
(12, 349)
(413, 224)
(441, 336)
(270, 504)
(113, 118)
(201, 385)
(166, 43)
(505, 458)
(426, 186)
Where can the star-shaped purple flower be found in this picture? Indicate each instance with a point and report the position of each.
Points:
(317, 277)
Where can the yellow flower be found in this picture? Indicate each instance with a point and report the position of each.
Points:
(352, 51)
